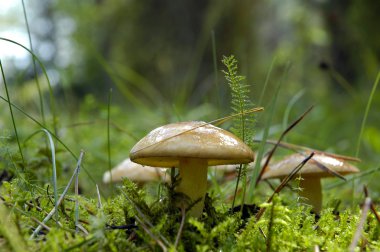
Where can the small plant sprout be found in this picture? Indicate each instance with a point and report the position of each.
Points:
(135, 172)
(320, 166)
(192, 147)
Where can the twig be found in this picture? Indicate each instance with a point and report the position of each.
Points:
(139, 212)
(284, 183)
(372, 205)
(77, 199)
(146, 229)
(298, 148)
(359, 228)
(278, 141)
(79, 226)
(99, 199)
(51, 213)
(40, 223)
(316, 248)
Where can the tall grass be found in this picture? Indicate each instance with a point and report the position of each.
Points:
(366, 112)
(52, 99)
(12, 116)
(261, 150)
(34, 65)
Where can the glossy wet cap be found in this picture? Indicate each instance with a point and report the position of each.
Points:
(312, 168)
(134, 172)
(166, 145)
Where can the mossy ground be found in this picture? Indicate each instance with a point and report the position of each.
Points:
(135, 221)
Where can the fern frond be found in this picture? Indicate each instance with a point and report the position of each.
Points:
(243, 125)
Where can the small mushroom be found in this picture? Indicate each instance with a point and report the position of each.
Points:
(311, 174)
(135, 172)
(192, 147)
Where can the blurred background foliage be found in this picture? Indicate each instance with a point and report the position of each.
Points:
(162, 60)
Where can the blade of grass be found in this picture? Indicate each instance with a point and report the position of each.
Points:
(120, 84)
(51, 213)
(213, 45)
(261, 150)
(364, 121)
(212, 15)
(108, 135)
(12, 116)
(266, 81)
(52, 103)
(52, 134)
(361, 175)
(289, 107)
(34, 65)
(52, 149)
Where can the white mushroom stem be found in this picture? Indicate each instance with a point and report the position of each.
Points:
(193, 175)
(311, 192)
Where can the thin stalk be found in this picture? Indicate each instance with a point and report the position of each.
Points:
(178, 237)
(364, 121)
(12, 116)
(266, 81)
(108, 134)
(99, 198)
(52, 149)
(359, 229)
(213, 44)
(76, 199)
(236, 188)
(290, 105)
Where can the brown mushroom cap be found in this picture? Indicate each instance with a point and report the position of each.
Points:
(134, 172)
(311, 169)
(165, 145)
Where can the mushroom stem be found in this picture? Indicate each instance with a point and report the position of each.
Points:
(311, 192)
(193, 175)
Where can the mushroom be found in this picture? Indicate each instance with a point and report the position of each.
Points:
(311, 174)
(192, 147)
(135, 172)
